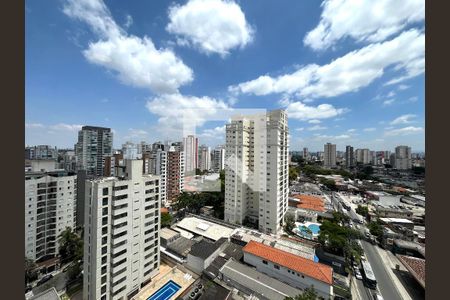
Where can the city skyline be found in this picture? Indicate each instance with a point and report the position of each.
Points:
(299, 63)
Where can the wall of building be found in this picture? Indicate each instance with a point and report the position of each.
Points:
(288, 276)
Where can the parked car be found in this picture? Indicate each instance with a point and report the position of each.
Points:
(358, 275)
(44, 279)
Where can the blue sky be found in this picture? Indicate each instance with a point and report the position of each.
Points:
(346, 74)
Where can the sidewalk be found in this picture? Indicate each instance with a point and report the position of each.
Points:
(391, 261)
(354, 290)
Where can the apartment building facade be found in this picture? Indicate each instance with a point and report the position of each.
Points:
(349, 157)
(175, 174)
(121, 238)
(402, 158)
(94, 144)
(190, 148)
(50, 207)
(256, 170)
(329, 155)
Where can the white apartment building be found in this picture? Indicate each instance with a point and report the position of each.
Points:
(204, 158)
(121, 236)
(190, 148)
(329, 155)
(50, 206)
(402, 158)
(256, 170)
(362, 156)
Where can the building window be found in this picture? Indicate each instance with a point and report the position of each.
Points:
(105, 191)
(276, 267)
(264, 262)
(105, 201)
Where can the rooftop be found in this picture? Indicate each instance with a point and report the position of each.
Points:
(297, 263)
(49, 294)
(310, 202)
(258, 282)
(204, 228)
(167, 233)
(205, 248)
(416, 266)
(396, 220)
(294, 246)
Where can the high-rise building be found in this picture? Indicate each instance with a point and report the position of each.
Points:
(67, 160)
(41, 152)
(349, 158)
(362, 156)
(50, 206)
(175, 174)
(204, 158)
(402, 158)
(190, 147)
(329, 155)
(373, 158)
(256, 170)
(121, 236)
(218, 159)
(131, 151)
(94, 144)
(111, 162)
(305, 154)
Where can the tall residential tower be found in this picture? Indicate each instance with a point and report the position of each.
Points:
(256, 170)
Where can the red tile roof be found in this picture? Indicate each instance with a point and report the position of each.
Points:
(164, 210)
(299, 264)
(416, 266)
(310, 202)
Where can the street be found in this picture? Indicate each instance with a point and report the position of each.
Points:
(385, 285)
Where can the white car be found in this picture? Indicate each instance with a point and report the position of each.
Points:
(358, 275)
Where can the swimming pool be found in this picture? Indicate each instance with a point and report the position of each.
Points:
(308, 230)
(166, 291)
(314, 228)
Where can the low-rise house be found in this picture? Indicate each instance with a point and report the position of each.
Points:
(294, 270)
(203, 253)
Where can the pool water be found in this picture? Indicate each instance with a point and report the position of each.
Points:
(310, 230)
(166, 291)
(314, 228)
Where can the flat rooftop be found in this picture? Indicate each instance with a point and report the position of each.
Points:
(167, 233)
(49, 294)
(396, 220)
(306, 250)
(204, 228)
(258, 282)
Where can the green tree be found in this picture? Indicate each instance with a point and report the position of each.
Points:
(70, 246)
(362, 210)
(289, 223)
(308, 294)
(166, 219)
(293, 173)
(31, 273)
(375, 228)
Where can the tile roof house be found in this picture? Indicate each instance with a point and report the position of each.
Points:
(292, 269)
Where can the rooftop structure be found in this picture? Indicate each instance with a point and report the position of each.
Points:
(416, 266)
(297, 263)
(49, 294)
(309, 202)
(204, 228)
(244, 236)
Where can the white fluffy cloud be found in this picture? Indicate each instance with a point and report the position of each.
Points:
(355, 70)
(370, 129)
(213, 26)
(314, 121)
(404, 119)
(178, 108)
(300, 111)
(217, 133)
(34, 125)
(404, 131)
(135, 60)
(317, 127)
(68, 127)
(363, 20)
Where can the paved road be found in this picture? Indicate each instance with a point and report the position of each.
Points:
(385, 285)
(58, 281)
